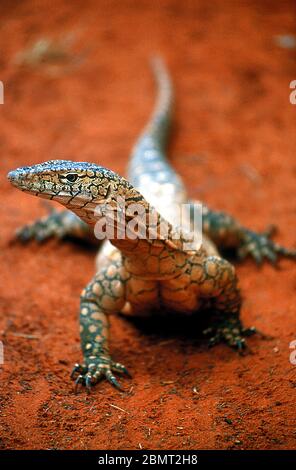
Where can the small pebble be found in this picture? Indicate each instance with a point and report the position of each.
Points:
(227, 420)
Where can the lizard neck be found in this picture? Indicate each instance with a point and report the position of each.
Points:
(151, 248)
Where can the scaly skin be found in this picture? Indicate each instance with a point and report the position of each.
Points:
(138, 275)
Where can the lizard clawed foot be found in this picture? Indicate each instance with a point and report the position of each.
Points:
(51, 226)
(260, 247)
(95, 369)
(230, 332)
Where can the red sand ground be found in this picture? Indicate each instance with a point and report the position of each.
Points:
(234, 145)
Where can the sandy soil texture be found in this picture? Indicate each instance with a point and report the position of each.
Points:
(84, 93)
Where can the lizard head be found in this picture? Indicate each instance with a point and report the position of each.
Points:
(73, 184)
(79, 186)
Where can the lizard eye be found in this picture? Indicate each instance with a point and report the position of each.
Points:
(71, 177)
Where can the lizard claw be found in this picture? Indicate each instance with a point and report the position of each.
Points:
(120, 368)
(77, 382)
(78, 368)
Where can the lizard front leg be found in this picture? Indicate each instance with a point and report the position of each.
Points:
(58, 224)
(218, 287)
(227, 232)
(104, 295)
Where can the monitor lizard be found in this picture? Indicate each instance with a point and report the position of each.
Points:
(141, 274)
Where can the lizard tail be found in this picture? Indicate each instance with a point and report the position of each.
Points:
(150, 146)
(159, 123)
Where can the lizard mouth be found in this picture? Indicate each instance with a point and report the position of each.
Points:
(18, 179)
